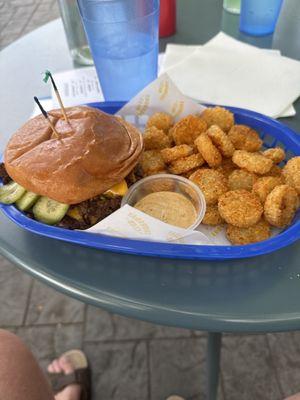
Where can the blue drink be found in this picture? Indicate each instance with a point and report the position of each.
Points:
(123, 37)
(259, 17)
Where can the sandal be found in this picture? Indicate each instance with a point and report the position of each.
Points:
(81, 375)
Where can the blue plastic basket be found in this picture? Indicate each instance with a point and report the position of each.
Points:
(273, 134)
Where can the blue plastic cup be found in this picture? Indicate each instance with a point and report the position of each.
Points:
(123, 38)
(259, 17)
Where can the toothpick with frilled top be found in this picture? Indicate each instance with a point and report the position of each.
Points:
(47, 76)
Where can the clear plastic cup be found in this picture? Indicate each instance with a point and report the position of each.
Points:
(232, 6)
(75, 34)
(123, 38)
(259, 17)
(169, 183)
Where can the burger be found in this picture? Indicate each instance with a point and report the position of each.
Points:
(73, 176)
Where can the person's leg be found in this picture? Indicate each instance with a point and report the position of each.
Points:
(20, 374)
(294, 397)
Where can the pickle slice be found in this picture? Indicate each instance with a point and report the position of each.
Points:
(27, 201)
(49, 211)
(11, 192)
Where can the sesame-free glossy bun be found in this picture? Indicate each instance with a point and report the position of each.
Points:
(93, 153)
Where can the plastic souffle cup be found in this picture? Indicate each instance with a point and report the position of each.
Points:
(169, 183)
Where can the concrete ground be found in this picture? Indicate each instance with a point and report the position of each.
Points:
(133, 360)
(18, 17)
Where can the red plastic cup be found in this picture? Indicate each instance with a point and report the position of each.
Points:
(167, 18)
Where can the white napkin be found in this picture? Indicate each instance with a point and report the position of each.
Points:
(175, 53)
(137, 225)
(226, 71)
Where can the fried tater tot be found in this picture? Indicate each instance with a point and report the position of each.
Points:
(281, 205)
(241, 179)
(208, 150)
(221, 141)
(161, 121)
(170, 136)
(252, 234)
(185, 164)
(291, 173)
(189, 173)
(276, 154)
(274, 171)
(253, 162)
(245, 138)
(171, 154)
(155, 139)
(240, 208)
(218, 116)
(264, 185)
(227, 167)
(212, 183)
(212, 216)
(188, 129)
(152, 162)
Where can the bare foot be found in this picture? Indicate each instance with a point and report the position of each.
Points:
(294, 397)
(71, 392)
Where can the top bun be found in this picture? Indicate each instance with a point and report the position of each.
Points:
(93, 153)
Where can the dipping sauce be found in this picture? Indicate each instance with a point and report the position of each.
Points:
(170, 207)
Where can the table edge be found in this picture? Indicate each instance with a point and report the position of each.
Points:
(160, 315)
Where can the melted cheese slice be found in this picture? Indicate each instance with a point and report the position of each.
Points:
(120, 189)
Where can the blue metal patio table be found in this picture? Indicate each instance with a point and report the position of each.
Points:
(260, 294)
